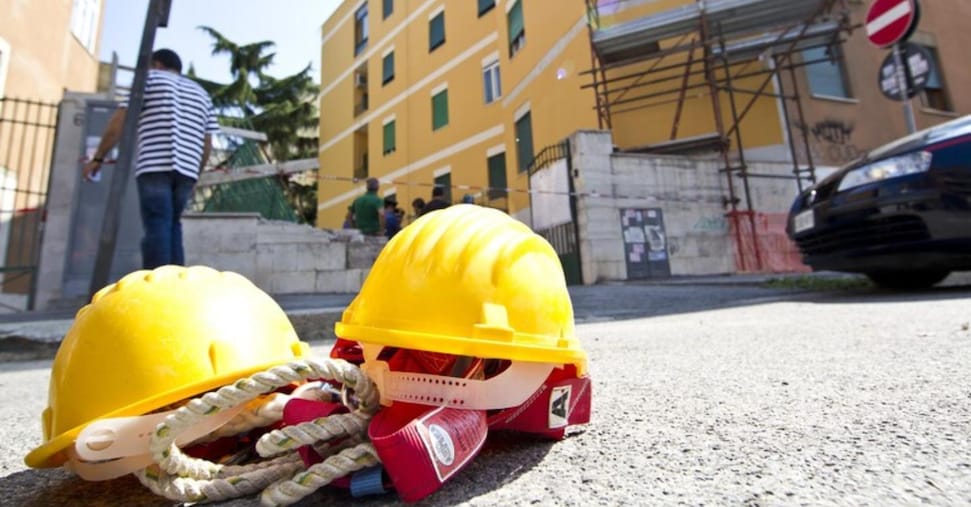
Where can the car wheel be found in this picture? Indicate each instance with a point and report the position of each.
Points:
(908, 279)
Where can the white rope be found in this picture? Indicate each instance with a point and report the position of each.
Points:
(289, 438)
(183, 478)
(317, 476)
(266, 410)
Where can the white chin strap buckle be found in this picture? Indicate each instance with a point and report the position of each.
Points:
(510, 388)
(110, 448)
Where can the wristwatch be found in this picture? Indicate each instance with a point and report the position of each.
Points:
(99, 160)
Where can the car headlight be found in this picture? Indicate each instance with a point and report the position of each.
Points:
(894, 167)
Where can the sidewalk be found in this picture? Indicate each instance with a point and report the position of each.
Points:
(36, 335)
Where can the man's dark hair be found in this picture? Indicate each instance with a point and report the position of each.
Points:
(372, 184)
(168, 59)
(438, 191)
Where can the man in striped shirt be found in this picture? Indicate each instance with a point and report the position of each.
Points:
(174, 140)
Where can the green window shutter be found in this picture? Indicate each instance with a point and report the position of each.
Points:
(515, 20)
(485, 6)
(389, 141)
(436, 31)
(524, 142)
(387, 64)
(440, 110)
(388, 8)
(497, 176)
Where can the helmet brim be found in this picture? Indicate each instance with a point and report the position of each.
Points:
(51, 454)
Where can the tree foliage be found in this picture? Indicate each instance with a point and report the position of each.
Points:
(284, 108)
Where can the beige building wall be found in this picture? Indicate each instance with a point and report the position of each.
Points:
(843, 128)
(48, 46)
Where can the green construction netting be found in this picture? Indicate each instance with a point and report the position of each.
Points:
(265, 196)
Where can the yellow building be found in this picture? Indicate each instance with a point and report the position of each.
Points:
(48, 46)
(465, 94)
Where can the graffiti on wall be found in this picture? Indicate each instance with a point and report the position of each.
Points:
(711, 223)
(831, 141)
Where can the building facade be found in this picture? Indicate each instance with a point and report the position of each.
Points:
(48, 46)
(847, 114)
(466, 94)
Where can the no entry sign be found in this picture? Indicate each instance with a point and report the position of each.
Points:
(890, 21)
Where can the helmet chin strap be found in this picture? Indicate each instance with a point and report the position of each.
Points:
(110, 448)
(510, 388)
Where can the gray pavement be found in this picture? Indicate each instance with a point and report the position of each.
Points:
(713, 392)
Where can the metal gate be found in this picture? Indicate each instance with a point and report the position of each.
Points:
(553, 206)
(27, 131)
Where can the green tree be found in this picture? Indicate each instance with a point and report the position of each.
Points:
(284, 109)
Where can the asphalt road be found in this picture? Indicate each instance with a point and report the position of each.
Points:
(703, 395)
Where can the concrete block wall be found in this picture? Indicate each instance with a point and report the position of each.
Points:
(690, 191)
(280, 257)
(601, 243)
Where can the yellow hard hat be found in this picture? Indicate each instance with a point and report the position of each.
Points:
(155, 338)
(471, 281)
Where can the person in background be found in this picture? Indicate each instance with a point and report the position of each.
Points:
(438, 201)
(368, 214)
(418, 205)
(468, 199)
(392, 217)
(174, 139)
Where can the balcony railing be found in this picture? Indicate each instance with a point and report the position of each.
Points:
(361, 106)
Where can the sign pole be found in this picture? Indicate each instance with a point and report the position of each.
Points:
(157, 16)
(902, 83)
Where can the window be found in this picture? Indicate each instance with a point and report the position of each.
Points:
(517, 28)
(436, 31)
(445, 181)
(360, 29)
(486, 6)
(497, 176)
(440, 109)
(387, 68)
(387, 8)
(84, 22)
(825, 72)
(389, 138)
(935, 94)
(524, 142)
(491, 82)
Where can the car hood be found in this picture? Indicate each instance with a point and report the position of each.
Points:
(907, 144)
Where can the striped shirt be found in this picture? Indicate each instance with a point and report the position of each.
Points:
(176, 116)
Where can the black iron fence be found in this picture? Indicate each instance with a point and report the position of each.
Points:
(548, 155)
(27, 131)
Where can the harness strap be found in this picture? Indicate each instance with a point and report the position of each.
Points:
(562, 401)
(422, 447)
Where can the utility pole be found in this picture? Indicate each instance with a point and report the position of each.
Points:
(157, 16)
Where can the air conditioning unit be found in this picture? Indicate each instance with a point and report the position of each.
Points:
(360, 80)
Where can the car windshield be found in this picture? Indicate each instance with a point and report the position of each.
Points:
(950, 129)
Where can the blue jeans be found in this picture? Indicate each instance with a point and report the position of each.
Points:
(162, 197)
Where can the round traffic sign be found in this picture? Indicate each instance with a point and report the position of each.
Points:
(890, 21)
(917, 70)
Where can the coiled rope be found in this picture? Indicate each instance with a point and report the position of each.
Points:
(282, 479)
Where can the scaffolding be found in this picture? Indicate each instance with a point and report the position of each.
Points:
(706, 48)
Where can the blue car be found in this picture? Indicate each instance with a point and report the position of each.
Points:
(901, 214)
